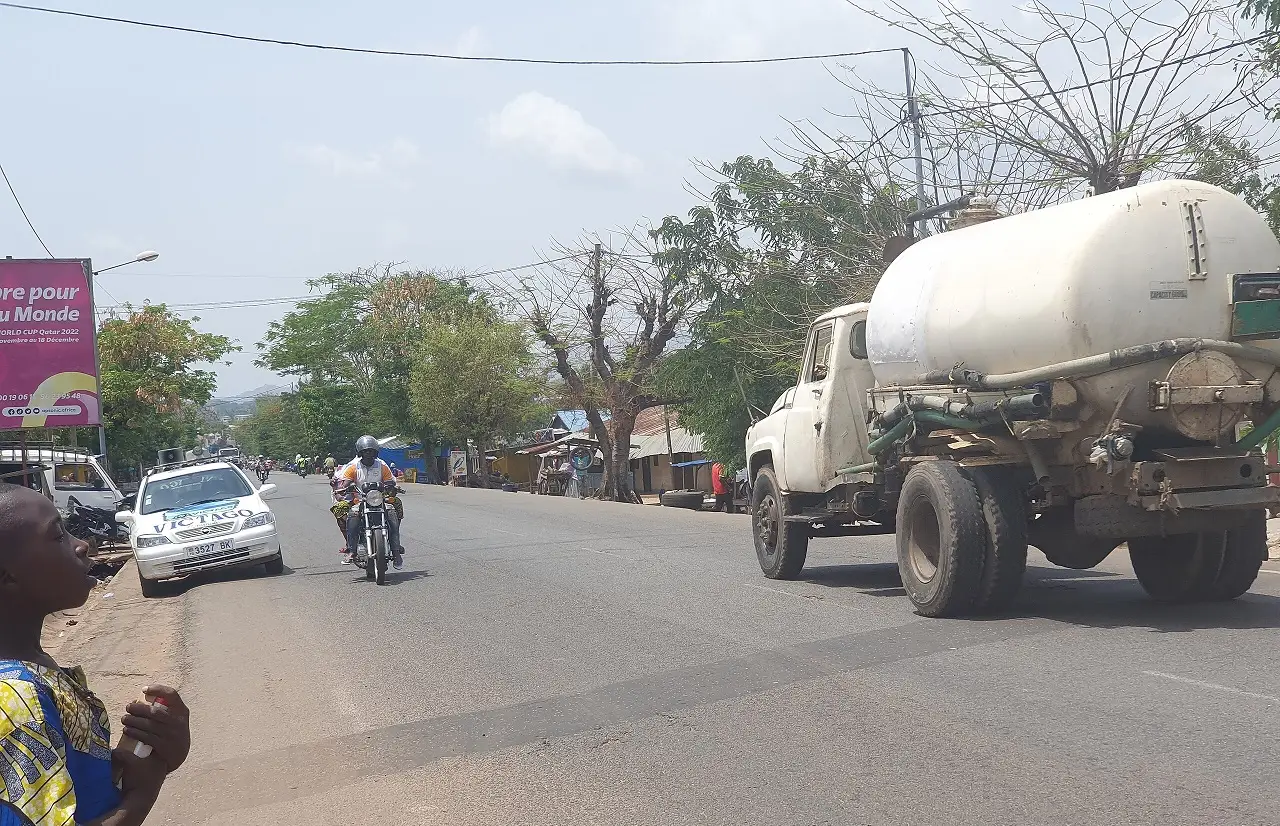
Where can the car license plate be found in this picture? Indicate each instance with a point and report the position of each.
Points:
(209, 548)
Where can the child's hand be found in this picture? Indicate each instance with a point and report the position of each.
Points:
(166, 728)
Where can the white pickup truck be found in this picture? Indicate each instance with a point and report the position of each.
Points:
(1072, 378)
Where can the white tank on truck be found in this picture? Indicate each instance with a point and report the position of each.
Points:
(1072, 378)
(1101, 274)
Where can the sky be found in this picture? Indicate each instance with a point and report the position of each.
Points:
(251, 168)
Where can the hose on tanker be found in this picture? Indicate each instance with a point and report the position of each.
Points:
(893, 434)
(1027, 405)
(1101, 363)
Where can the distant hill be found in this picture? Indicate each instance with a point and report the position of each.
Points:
(246, 402)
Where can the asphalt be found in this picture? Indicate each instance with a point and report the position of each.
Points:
(552, 661)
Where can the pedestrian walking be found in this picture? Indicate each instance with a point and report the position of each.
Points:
(722, 487)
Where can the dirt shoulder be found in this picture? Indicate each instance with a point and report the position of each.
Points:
(123, 640)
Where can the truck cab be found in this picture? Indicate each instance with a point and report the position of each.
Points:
(819, 427)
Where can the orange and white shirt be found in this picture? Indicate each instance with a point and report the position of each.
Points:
(356, 472)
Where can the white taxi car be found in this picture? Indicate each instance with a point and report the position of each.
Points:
(200, 516)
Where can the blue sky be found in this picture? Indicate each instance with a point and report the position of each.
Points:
(253, 167)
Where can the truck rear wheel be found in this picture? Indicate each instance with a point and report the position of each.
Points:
(1005, 514)
(781, 546)
(942, 539)
(1183, 567)
(1243, 554)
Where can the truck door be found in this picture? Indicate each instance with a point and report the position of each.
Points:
(842, 441)
(804, 420)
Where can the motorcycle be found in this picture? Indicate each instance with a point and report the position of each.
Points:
(373, 553)
(94, 525)
(302, 470)
(263, 472)
(329, 472)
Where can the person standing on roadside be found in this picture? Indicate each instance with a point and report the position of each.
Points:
(722, 487)
(57, 765)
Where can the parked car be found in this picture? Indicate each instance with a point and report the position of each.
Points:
(68, 474)
(199, 516)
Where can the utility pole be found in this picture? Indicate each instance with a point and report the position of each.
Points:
(913, 114)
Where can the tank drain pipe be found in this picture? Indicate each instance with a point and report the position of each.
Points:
(1101, 363)
(1038, 464)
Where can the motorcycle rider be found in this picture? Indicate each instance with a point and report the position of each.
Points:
(363, 469)
(330, 466)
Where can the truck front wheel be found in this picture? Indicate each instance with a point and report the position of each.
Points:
(781, 546)
(1183, 567)
(942, 539)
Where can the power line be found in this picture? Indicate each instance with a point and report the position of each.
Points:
(23, 210)
(438, 55)
(1082, 86)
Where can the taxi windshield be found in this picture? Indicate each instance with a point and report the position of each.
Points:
(216, 485)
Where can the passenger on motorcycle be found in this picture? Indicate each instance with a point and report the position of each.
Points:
(363, 469)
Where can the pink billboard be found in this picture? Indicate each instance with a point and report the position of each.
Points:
(48, 354)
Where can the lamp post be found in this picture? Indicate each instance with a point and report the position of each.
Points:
(148, 255)
(145, 255)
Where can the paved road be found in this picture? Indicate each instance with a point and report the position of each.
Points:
(547, 661)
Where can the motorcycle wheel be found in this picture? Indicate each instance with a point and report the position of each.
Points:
(369, 572)
(378, 560)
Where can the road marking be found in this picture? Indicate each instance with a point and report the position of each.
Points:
(1268, 571)
(1214, 686)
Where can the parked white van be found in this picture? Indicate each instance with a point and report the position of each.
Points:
(69, 473)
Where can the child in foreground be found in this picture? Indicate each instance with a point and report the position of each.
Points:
(57, 766)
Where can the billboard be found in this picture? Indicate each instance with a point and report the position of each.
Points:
(48, 352)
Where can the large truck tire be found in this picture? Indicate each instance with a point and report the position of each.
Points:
(942, 539)
(688, 499)
(1183, 567)
(781, 546)
(1005, 514)
(1243, 554)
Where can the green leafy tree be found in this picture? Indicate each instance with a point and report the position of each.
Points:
(773, 249)
(153, 388)
(353, 346)
(478, 381)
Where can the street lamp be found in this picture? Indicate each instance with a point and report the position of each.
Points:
(148, 255)
(145, 255)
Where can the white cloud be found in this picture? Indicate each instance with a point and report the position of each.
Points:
(559, 134)
(738, 29)
(399, 154)
(470, 42)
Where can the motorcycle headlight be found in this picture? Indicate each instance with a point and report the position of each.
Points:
(374, 498)
(259, 520)
(152, 541)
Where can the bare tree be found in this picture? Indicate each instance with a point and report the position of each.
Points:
(1090, 99)
(605, 314)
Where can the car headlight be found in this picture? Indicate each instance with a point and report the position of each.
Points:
(152, 541)
(374, 498)
(259, 520)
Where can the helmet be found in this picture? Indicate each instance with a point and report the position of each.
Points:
(363, 445)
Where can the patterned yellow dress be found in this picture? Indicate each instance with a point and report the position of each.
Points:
(55, 748)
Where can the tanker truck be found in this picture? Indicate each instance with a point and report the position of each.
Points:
(1073, 378)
